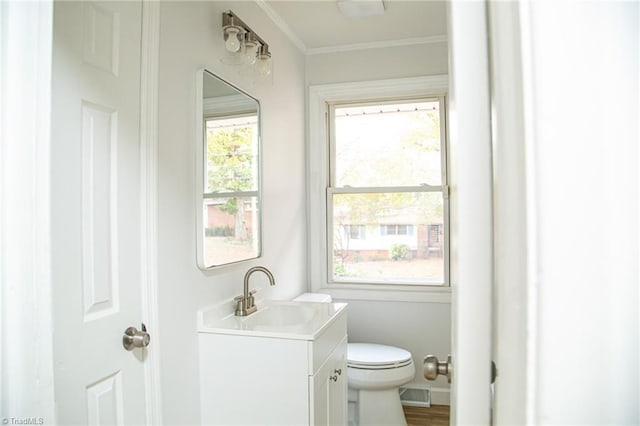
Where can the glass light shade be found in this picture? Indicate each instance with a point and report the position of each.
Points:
(232, 43)
(263, 65)
(250, 52)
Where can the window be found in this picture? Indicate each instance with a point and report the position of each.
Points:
(396, 229)
(355, 232)
(387, 193)
(230, 199)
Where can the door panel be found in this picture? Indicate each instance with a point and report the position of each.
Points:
(96, 249)
(99, 200)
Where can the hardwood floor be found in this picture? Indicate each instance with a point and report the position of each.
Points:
(436, 415)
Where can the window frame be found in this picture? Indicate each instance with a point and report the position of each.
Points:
(333, 189)
(319, 190)
(210, 108)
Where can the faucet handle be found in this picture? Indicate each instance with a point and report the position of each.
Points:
(250, 299)
(240, 297)
(240, 303)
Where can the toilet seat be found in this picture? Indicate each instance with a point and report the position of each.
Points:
(369, 356)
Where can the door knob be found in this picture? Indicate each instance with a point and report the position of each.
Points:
(433, 368)
(135, 339)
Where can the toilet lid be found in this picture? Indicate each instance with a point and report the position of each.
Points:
(373, 355)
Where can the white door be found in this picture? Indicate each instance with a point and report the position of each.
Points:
(96, 213)
(471, 186)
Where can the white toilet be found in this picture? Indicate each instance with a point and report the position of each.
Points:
(375, 374)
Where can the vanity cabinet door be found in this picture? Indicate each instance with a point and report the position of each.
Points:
(338, 387)
(329, 389)
(319, 386)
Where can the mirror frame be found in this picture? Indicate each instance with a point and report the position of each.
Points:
(201, 149)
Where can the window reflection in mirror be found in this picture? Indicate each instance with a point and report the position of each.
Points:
(228, 166)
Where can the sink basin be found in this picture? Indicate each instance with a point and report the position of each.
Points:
(284, 319)
(277, 316)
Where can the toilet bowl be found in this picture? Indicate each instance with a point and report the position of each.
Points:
(374, 373)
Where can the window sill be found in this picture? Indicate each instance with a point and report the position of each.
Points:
(388, 293)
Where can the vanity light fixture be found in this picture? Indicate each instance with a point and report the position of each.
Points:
(233, 39)
(245, 45)
(233, 33)
(263, 65)
(251, 46)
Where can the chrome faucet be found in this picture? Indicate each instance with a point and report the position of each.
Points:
(245, 304)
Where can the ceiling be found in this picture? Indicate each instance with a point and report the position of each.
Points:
(317, 26)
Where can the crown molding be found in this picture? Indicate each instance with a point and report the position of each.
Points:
(225, 105)
(293, 37)
(280, 23)
(377, 45)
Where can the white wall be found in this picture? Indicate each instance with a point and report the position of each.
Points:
(191, 39)
(377, 64)
(26, 336)
(583, 120)
(566, 146)
(421, 328)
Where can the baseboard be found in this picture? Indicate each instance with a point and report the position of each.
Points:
(440, 396)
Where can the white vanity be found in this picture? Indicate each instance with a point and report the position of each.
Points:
(285, 364)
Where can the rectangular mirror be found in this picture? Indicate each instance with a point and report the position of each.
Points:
(228, 173)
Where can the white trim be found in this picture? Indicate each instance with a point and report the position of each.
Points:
(149, 203)
(411, 86)
(531, 210)
(26, 331)
(415, 41)
(297, 41)
(514, 243)
(282, 25)
(199, 169)
(429, 294)
(440, 396)
(470, 143)
(387, 189)
(318, 173)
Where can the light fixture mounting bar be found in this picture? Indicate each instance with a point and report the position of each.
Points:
(231, 19)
